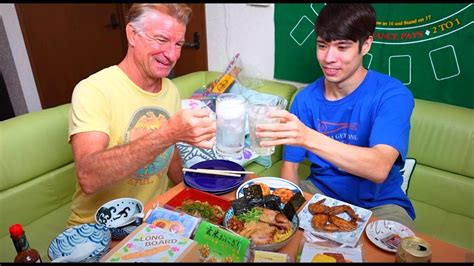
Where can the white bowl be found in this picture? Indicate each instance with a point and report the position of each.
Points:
(66, 242)
(121, 216)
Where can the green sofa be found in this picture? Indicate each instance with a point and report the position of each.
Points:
(442, 185)
(37, 177)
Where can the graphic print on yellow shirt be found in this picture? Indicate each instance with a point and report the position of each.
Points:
(144, 122)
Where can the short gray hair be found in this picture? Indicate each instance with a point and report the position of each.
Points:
(136, 14)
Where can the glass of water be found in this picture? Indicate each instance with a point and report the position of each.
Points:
(230, 112)
(258, 106)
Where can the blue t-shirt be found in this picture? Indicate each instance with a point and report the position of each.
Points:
(377, 112)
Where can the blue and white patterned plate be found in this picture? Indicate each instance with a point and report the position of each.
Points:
(67, 241)
(348, 238)
(272, 182)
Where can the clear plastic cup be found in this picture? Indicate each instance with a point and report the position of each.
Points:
(258, 106)
(230, 112)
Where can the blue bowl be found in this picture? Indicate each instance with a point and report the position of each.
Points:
(119, 216)
(66, 242)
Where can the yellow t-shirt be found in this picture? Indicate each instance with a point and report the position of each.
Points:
(108, 101)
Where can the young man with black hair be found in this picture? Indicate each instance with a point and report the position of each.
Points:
(353, 124)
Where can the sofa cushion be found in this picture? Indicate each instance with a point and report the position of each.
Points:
(443, 205)
(442, 224)
(38, 139)
(33, 199)
(442, 137)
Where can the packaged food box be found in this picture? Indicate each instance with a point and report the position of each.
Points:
(176, 222)
(216, 244)
(150, 243)
(316, 253)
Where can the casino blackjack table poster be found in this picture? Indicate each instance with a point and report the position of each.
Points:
(428, 47)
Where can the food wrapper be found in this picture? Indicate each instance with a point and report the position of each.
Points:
(317, 253)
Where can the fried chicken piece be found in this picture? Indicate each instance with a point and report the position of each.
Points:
(343, 224)
(335, 210)
(325, 218)
(318, 207)
(330, 227)
(319, 221)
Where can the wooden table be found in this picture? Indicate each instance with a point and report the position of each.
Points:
(442, 251)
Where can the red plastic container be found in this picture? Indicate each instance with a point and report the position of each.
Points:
(194, 194)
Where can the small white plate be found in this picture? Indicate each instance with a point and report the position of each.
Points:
(378, 230)
(272, 182)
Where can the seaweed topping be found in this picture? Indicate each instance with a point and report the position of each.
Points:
(240, 205)
(297, 200)
(254, 196)
(289, 211)
(272, 202)
(252, 192)
(255, 202)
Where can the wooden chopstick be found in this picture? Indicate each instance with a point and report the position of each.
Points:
(227, 171)
(207, 171)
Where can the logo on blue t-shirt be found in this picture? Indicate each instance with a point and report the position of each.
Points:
(327, 127)
(338, 131)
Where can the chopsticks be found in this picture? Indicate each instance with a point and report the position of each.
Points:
(217, 172)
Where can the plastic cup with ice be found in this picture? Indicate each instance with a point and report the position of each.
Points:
(231, 112)
(258, 106)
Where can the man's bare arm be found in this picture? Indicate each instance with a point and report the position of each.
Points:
(175, 169)
(373, 163)
(98, 167)
(289, 171)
